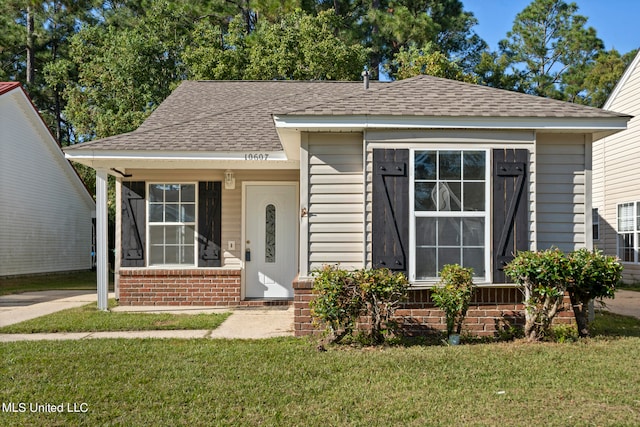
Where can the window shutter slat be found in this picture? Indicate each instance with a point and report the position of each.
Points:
(390, 209)
(133, 225)
(209, 224)
(510, 208)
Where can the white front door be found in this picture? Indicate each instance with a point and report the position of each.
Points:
(271, 229)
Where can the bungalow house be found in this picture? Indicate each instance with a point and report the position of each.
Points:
(45, 209)
(616, 195)
(233, 192)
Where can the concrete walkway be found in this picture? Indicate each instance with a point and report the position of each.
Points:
(243, 323)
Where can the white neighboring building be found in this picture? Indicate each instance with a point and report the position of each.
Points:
(45, 209)
(616, 174)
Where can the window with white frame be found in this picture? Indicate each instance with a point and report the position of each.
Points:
(595, 221)
(172, 224)
(450, 212)
(628, 231)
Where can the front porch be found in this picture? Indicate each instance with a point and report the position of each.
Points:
(187, 287)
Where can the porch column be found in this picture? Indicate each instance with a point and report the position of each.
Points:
(102, 242)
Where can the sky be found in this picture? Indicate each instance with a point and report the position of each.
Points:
(617, 22)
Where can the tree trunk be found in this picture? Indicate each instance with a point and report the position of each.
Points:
(581, 312)
(31, 54)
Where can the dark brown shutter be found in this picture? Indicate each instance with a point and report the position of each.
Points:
(134, 218)
(209, 227)
(510, 208)
(390, 206)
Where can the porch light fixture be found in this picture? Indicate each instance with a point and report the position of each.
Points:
(229, 180)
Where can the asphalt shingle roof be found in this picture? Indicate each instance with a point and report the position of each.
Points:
(238, 115)
(7, 86)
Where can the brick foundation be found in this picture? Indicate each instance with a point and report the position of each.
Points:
(491, 310)
(185, 287)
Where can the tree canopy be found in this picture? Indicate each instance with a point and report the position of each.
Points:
(96, 68)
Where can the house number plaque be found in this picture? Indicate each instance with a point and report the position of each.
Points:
(256, 156)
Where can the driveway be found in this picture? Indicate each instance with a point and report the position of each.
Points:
(626, 303)
(29, 298)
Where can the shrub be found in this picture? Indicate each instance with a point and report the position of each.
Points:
(337, 303)
(382, 291)
(453, 295)
(543, 279)
(342, 297)
(545, 276)
(592, 275)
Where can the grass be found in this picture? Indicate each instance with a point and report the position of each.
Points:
(61, 281)
(89, 319)
(630, 286)
(285, 381)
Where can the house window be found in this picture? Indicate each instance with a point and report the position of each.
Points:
(450, 212)
(595, 221)
(172, 224)
(628, 231)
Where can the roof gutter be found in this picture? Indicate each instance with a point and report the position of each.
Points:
(361, 122)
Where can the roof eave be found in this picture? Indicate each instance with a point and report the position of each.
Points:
(158, 159)
(594, 125)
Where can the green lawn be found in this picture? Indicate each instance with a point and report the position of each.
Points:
(285, 382)
(89, 319)
(62, 281)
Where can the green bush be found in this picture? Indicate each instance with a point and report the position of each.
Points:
(382, 292)
(542, 277)
(545, 276)
(342, 297)
(453, 295)
(337, 303)
(592, 276)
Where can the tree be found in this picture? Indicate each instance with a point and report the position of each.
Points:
(414, 61)
(304, 47)
(548, 40)
(299, 47)
(389, 27)
(36, 37)
(592, 84)
(125, 73)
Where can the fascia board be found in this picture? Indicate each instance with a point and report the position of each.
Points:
(271, 156)
(124, 160)
(353, 123)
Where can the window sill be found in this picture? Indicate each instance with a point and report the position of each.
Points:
(483, 284)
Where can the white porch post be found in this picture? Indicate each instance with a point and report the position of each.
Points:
(102, 243)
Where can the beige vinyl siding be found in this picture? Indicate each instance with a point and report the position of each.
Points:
(45, 211)
(231, 199)
(336, 202)
(616, 175)
(561, 192)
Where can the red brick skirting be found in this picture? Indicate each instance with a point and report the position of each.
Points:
(184, 287)
(492, 310)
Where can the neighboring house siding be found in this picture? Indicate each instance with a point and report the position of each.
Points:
(336, 203)
(562, 196)
(615, 175)
(45, 213)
